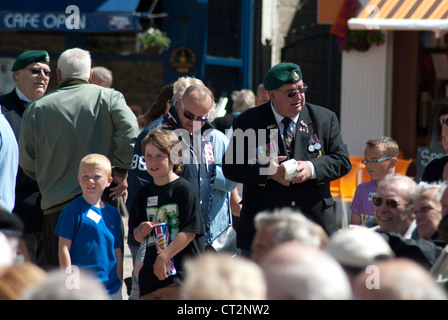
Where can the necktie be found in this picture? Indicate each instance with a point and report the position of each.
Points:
(288, 136)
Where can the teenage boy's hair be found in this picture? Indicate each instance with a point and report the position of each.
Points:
(387, 145)
(164, 140)
(95, 159)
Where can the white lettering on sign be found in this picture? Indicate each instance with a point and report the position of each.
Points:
(46, 21)
(427, 157)
(18, 20)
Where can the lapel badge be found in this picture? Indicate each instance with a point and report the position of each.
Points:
(304, 127)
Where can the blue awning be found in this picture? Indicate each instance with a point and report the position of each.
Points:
(63, 15)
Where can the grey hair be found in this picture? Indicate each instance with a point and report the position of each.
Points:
(75, 62)
(243, 100)
(408, 181)
(182, 84)
(424, 186)
(288, 224)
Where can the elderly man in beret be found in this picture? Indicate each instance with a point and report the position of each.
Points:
(286, 152)
(31, 73)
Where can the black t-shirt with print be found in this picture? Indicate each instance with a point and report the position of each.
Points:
(177, 205)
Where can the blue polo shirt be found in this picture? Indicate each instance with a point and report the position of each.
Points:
(95, 233)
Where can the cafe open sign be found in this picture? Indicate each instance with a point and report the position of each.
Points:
(70, 20)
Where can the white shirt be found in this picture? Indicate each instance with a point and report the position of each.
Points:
(281, 126)
(22, 96)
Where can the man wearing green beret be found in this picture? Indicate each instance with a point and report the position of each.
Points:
(267, 136)
(31, 73)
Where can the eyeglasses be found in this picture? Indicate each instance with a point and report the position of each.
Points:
(373, 162)
(391, 203)
(47, 73)
(291, 94)
(190, 116)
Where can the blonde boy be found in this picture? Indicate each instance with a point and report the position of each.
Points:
(89, 229)
(381, 157)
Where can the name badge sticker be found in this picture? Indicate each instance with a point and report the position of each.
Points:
(93, 215)
(152, 201)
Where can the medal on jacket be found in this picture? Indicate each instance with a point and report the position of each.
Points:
(317, 145)
(265, 153)
(311, 143)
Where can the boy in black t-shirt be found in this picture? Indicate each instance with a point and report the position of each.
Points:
(170, 199)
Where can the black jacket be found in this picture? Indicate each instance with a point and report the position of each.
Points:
(434, 170)
(27, 203)
(313, 197)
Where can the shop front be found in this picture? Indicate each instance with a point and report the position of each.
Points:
(399, 88)
(209, 39)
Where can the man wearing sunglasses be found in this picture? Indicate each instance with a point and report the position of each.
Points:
(31, 73)
(395, 203)
(305, 132)
(205, 147)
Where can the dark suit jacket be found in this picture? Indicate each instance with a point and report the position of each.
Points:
(312, 197)
(27, 191)
(224, 123)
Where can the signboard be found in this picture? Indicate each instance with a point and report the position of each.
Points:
(183, 59)
(425, 155)
(71, 21)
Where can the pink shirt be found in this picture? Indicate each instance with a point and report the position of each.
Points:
(362, 201)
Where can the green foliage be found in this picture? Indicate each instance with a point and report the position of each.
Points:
(154, 38)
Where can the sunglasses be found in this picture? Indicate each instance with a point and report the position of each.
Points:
(47, 73)
(291, 94)
(190, 116)
(390, 203)
(373, 162)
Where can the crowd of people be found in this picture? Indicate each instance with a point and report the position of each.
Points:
(221, 208)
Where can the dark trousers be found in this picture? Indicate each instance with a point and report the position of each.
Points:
(51, 242)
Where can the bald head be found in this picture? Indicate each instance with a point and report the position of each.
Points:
(397, 279)
(302, 272)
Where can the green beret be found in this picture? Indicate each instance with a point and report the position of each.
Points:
(27, 57)
(283, 73)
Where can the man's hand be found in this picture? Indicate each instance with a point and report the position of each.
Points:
(277, 172)
(121, 189)
(304, 172)
(235, 205)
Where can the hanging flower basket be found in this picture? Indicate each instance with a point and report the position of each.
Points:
(152, 42)
(360, 40)
(153, 50)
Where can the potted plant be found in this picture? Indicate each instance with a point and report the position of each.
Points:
(360, 40)
(153, 41)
